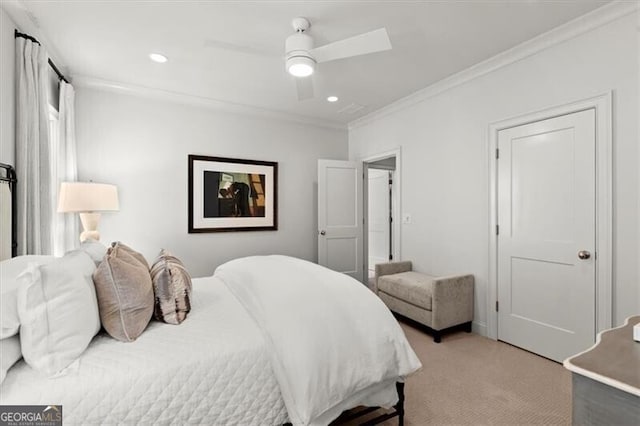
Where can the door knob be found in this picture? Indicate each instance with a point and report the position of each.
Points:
(322, 232)
(584, 254)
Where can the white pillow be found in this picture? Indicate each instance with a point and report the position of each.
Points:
(95, 249)
(9, 354)
(58, 311)
(9, 271)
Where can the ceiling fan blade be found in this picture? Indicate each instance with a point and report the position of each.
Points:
(373, 41)
(304, 86)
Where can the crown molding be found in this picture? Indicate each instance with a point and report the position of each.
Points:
(26, 22)
(574, 28)
(83, 81)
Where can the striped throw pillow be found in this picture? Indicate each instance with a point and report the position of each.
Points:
(172, 288)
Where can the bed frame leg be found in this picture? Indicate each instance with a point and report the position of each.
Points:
(400, 405)
(348, 417)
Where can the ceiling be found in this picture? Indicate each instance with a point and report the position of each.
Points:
(233, 51)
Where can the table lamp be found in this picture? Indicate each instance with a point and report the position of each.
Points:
(87, 199)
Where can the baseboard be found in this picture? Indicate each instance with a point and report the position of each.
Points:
(479, 328)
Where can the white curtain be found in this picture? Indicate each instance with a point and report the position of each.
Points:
(33, 162)
(65, 169)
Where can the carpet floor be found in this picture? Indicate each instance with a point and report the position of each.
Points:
(471, 380)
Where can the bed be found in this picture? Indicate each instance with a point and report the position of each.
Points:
(269, 340)
(224, 364)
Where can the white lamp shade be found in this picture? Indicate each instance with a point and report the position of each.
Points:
(87, 197)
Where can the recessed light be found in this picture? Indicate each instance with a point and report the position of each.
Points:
(157, 57)
(332, 99)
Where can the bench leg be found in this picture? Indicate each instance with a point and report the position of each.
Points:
(437, 337)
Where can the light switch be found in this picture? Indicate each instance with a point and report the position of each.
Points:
(406, 218)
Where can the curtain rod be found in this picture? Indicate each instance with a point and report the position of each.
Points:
(51, 64)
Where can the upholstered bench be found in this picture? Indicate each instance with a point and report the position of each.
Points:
(436, 302)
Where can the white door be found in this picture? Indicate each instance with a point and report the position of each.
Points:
(340, 220)
(546, 236)
(379, 214)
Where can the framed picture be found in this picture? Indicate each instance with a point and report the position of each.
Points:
(228, 194)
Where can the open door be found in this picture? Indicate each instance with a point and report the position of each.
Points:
(340, 217)
(379, 213)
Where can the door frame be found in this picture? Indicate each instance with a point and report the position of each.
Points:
(396, 199)
(602, 105)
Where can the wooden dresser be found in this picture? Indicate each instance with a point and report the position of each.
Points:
(606, 379)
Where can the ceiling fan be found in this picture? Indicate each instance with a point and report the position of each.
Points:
(302, 56)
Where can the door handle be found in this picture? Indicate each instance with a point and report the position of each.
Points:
(584, 254)
(323, 232)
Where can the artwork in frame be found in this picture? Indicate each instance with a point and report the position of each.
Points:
(229, 194)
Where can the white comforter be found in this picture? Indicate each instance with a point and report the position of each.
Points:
(332, 343)
(213, 369)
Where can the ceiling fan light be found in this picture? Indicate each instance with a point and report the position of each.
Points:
(300, 70)
(300, 66)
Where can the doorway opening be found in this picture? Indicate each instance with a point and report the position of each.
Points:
(381, 210)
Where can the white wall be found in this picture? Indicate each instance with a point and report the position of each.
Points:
(7, 89)
(142, 146)
(445, 154)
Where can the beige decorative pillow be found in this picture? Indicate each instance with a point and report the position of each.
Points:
(140, 258)
(125, 292)
(172, 288)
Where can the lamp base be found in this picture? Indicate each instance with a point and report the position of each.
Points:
(90, 226)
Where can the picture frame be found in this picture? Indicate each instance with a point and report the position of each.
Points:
(231, 194)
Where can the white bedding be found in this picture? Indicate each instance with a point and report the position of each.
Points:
(212, 369)
(333, 344)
